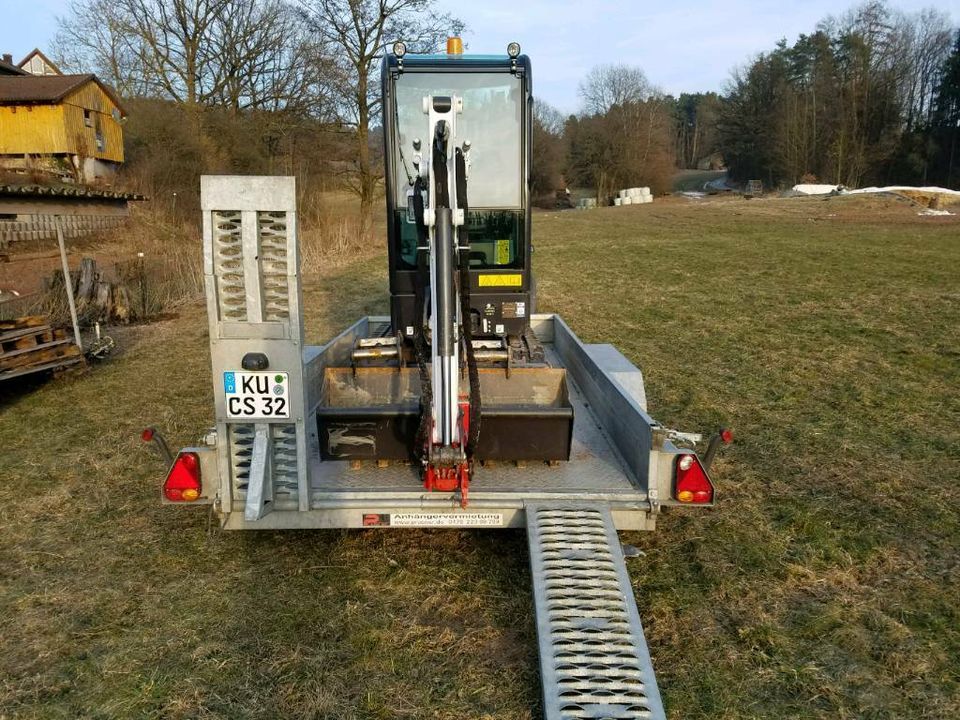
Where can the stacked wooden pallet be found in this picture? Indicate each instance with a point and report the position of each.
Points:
(30, 345)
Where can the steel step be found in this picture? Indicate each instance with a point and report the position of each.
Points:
(594, 661)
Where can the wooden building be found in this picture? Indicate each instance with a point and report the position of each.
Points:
(29, 212)
(68, 126)
(36, 63)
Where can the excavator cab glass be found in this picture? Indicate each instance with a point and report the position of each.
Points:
(495, 92)
(491, 122)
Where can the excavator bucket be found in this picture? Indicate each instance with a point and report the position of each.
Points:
(373, 413)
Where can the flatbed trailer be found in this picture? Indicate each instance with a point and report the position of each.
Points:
(616, 450)
(269, 473)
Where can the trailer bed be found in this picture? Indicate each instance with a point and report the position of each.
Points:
(263, 470)
(610, 460)
(594, 468)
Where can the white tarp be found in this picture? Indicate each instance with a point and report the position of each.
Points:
(811, 189)
(895, 188)
(808, 189)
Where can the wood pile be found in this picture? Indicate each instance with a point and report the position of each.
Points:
(30, 345)
(97, 299)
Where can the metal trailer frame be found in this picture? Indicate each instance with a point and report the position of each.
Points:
(621, 457)
(267, 474)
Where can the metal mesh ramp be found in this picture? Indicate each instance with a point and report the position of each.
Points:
(251, 272)
(594, 661)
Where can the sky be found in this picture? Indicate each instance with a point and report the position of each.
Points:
(682, 46)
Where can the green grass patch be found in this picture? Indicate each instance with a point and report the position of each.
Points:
(824, 585)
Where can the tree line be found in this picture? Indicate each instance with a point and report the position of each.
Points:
(871, 96)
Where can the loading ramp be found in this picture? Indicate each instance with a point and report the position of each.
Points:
(594, 661)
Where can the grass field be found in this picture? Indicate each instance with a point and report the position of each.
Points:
(826, 584)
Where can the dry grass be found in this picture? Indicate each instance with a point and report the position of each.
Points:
(170, 272)
(334, 234)
(825, 584)
(827, 333)
(928, 199)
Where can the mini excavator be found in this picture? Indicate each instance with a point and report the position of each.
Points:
(457, 139)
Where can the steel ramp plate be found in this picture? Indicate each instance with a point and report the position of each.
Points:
(594, 661)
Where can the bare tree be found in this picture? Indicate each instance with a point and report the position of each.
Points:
(175, 48)
(165, 44)
(236, 53)
(546, 172)
(95, 37)
(608, 85)
(263, 58)
(924, 41)
(548, 117)
(360, 30)
(627, 129)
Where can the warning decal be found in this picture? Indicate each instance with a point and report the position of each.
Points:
(514, 309)
(505, 280)
(503, 252)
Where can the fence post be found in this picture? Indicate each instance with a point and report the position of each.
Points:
(143, 284)
(68, 283)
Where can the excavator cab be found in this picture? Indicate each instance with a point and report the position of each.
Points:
(459, 376)
(494, 130)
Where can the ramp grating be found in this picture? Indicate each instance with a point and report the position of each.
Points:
(594, 661)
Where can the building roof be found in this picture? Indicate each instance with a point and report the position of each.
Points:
(8, 68)
(47, 89)
(36, 53)
(65, 191)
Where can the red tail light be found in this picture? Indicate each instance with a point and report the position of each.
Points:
(183, 480)
(693, 486)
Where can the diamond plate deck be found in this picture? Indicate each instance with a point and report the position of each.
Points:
(594, 661)
(594, 465)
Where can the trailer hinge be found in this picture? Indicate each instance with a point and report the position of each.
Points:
(652, 497)
(683, 437)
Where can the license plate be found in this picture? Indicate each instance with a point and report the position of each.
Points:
(257, 395)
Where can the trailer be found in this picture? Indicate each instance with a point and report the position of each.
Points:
(331, 436)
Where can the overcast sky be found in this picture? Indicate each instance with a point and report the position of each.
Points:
(684, 46)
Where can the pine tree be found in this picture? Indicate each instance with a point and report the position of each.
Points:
(946, 118)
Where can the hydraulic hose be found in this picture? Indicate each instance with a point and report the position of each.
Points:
(466, 317)
(419, 343)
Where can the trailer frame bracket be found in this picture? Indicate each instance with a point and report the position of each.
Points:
(260, 487)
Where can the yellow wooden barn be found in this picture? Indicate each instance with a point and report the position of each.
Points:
(68, 125)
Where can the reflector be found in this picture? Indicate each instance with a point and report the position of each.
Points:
(183, 480)
(692, 486)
